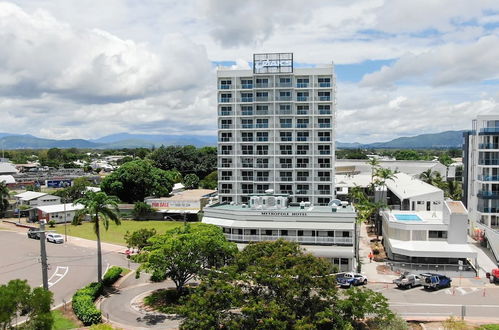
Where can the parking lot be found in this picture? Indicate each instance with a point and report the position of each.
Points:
(71, 266)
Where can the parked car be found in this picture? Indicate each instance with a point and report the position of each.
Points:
(407, 280)
(435, 281)
(33, 233)
(348, 279)
(55, 238)
(493, 276)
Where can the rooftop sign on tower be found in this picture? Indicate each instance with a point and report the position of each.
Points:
(273, 63)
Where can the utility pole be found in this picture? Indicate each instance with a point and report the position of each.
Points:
(43, 256)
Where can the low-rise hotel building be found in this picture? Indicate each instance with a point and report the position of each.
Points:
(325, 231)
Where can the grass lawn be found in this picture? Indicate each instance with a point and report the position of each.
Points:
(61, 322)
(115, 233)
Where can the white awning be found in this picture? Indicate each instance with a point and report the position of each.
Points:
(304, 225)
(434, 249)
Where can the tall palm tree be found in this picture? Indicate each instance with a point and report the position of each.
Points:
(374, 163)
(100, 207)
(427, 176)
(4, 198)
(382, 175)
(454, 190)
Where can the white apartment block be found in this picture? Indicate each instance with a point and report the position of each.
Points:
(481, 179)
(276, 130)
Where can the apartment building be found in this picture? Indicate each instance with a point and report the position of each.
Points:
(481, 179)
(276, 130)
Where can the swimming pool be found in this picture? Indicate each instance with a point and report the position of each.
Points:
(407, 217)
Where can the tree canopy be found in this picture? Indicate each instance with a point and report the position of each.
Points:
(275, 285)
(18, 299)
(135, 180)
(186, 159)
(183, 253)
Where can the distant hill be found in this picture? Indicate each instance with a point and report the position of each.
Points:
(115, 141)
(32, 142)
(448, 139)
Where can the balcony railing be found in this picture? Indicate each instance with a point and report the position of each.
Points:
(247, 178)
(225, 86)
(488, 194)
(302, 98)
(489, 130)
(324, 125)
(262, 98)
(302, 138)
(299, 239)
(302, 165)
(262, 85)
(226, 99)
(324, 152)
(261, 125)
(488, 146)
(323, 192)
(286, 125)
(302, 192)
(302, 85)
(324, 98)
(285, 112)
(246, 99)
(286, 165)
(324, 139)
(325, 84)
(246, 125)
(225, 113)
(225, 126)
(286, 139)
(262, 112)
(324, 112)
(323, 178)
(301, 125)
(302, 178)
(488, 162)
(247, 86)
(285, 178)
(262, 178)
(488, 177)
(302, 112)
(287, 84)
(284, 98)
(488, 209)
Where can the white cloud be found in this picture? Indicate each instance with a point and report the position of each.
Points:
(447, 64)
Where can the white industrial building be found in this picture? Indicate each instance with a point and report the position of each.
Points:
(325, 231)
(59, 213)
(33, 199)
(276, 130)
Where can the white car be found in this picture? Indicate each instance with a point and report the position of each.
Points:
(349, 279)
(55, 238)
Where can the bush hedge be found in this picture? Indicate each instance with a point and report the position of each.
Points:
(83, 304)
(112, 275)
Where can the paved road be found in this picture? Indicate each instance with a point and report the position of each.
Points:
(72, 265)
(417, 303)
(124, 307)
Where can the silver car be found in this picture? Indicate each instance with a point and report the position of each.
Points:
(55, 238)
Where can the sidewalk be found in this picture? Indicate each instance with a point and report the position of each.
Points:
(373, 270)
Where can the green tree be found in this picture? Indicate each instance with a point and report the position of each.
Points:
(17, 298)
(75, 191)
(275, 285)
(4, 198)
(141, 210)
(100, 208)
(210, 181)
(183, 253)
(191, 181)
(135, 180)
(454, 190)
(139, 238)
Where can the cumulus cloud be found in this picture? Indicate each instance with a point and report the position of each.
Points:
(447, 64)
(43, 55)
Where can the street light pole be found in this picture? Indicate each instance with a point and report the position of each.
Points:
(43, 256)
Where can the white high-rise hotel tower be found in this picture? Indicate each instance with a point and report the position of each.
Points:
(276, 130)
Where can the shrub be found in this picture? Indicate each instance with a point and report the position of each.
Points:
(112, 275)
(83, 304)
(51, 223)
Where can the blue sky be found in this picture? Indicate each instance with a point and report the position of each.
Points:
(105, 67)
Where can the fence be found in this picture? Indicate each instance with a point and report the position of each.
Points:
(451, 270)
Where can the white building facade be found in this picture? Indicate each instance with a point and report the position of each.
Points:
(276, 130)
(481, 178)
(325, 231)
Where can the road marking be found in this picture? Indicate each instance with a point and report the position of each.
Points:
(458, 290)
(60, 272)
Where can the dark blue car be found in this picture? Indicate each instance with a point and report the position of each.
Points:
(435, 281)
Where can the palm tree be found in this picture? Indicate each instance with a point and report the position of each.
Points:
(382, 176)
(4, 197)
(454, 190)
(374, 163)
(100, 207)
(426, 176)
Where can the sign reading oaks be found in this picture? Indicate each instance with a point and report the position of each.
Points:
(273, 63)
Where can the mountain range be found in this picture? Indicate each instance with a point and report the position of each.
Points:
(448, 139)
